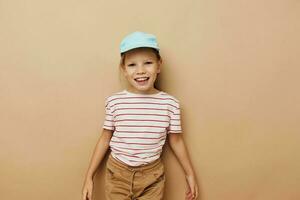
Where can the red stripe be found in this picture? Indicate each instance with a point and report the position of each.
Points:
(136, 161)
(134, 143)
(141, 132)
(140, 152)
(160, 138)
(142, 98)
(132, 156)
(143, 109)
(165, 104)
(143, 114)
(158, 147)
(140, 120)
(142, 126)
(143, 120)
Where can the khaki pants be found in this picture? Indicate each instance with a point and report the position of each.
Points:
(123, 182)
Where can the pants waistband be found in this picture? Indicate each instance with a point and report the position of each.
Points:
(134, 168)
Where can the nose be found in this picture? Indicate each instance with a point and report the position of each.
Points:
(140, 69)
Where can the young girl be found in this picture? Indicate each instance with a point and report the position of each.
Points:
(137, 122)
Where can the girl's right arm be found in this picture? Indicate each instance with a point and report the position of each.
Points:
(98, 155)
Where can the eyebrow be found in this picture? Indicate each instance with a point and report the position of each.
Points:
(147, 60)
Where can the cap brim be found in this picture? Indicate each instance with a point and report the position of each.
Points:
(138, 46)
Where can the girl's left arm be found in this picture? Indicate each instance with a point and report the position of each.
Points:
(177, 144)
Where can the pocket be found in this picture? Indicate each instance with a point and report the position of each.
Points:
(110, 172)
(159, 173)
(154, 179)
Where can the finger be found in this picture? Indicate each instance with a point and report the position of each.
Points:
(197, 193)
(187, 193)
(88, 195)
(193, 191)
(91, 194)
(188, 190)
(84, 195)
(189, 196)
(193, 194)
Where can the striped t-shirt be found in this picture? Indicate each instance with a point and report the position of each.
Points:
(140, 124)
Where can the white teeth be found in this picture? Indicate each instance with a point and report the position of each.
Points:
(141, 79)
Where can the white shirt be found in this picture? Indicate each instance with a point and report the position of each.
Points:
(140, 124)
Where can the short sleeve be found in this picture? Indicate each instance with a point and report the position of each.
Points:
(109, 118)
(175, 120)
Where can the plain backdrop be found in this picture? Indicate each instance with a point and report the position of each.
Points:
(233, 65)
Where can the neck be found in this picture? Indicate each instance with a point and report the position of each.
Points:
(151, 91)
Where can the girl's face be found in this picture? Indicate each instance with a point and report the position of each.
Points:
(140, 68)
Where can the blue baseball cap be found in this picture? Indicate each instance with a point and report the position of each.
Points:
(138, 39)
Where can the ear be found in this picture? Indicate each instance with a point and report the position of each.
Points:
(159, 63)
(122, 68)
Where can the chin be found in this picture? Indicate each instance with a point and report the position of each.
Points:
(143, 89)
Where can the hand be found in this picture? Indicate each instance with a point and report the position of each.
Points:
(87, 190)
(192, 190)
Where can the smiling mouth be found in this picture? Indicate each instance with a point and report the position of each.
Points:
(142, 80)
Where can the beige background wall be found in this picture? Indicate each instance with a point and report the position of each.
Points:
(234, 65)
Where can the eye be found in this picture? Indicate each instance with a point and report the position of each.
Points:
(148, 62)
(131, 65)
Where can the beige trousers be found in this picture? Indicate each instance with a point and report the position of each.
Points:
(123, 182)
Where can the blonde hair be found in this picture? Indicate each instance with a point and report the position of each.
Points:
(123, 55)
(155, 51)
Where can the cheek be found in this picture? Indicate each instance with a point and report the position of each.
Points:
(154, 71)
(127, 73)
(129, 77)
